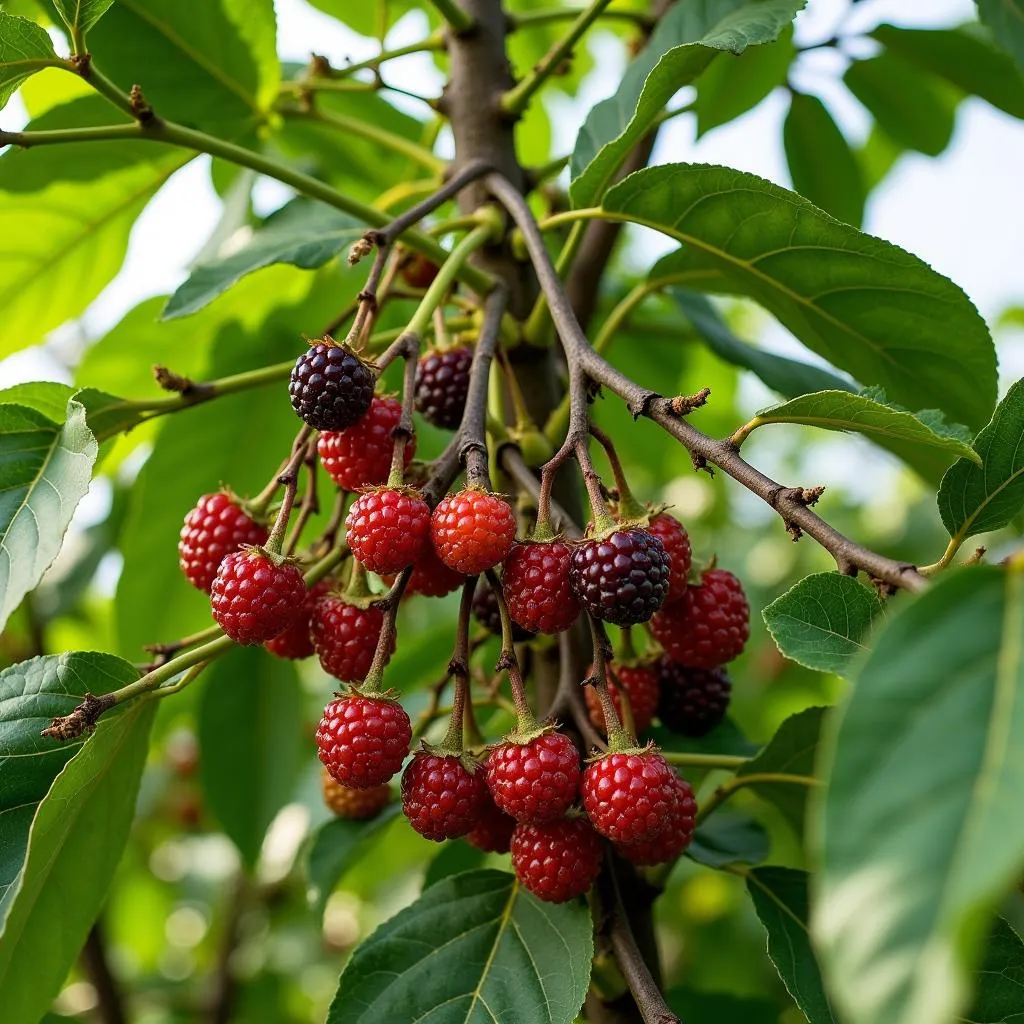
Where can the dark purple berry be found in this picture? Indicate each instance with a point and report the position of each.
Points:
(485, 611)
(331, 387)
(442, 381)
(692, 701)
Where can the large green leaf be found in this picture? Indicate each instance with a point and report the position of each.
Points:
(792, 751)
(81, 15)
(729, 837)
(821, 163)
(823, 621)
(75, 844)
(919, 827)
(974, 499)
(923, 439)
(917, 110)
(685, 42)
(31, 694)
(45, 471)
(863, 304)
(999, 996)
(789, 377)
(780, 899)
(304, 233)
(1006, 19)
(250, 712)
(24, 49)
(964, 58)
(470, 948)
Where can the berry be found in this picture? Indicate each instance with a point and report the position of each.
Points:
(537, 780)
(441, 797)
(485, 611)
(709, 626)
(472, 530)
(253, 598)
(345, 637)
(354, 804)
(216, 527)
(641, 685)
(442, 382)
(622, 579)
(295, 642)
(536, 582)
(556, 860)
(493, 831)
(693, 700)
(431, 577)
(361, 455)
(418, 271)
(362, 741)
(676, 542)
(629, 797)
(387, 529)
(676, 836)
(331, 387)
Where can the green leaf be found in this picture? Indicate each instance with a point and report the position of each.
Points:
(45, 471)
(256, 23)
(789, 377)
(877, 157)
(304, 233)
(823, 621)
(917, 110)
(685, 42)
(250, 713)
(25, 48)
(822, 165)
(999, 996)
(966, 59)
(733, 85)
(453, 859)
(471, 947)
(728, 837)
(924, 439)
(1006, 20)
(720, 1008)
(45, 396)
(975, 499)
(918, 828)
(866, 306)
(725, 738)
(335, 847)
(780, 899)
(105, 415)
(81, 15)
(31, 694)
(791, 751)
(75, 844)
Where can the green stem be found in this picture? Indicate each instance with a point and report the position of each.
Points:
(725, 761)
(152, 680)
(742, 433)
(947, 556)
(186, 680)
(726, 790)
(458, 20)
(526, 722)
(433, 42)
(547, 15)
(516, 100)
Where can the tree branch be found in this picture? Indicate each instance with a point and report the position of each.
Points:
(110, 1000)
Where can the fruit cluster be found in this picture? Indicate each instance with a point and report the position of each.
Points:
(531, 793)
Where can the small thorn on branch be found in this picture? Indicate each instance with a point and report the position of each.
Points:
(81, 721)
(683, 405)
(171, 381)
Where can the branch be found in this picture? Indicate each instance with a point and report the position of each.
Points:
(730, 786)
(458, 20)
(110, 1001)
(788, 502)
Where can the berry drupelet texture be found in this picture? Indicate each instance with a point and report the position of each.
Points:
(537, 589)
(430, 576)
(387, 528)
(361, 455)
(641, 685)
(493, 831)
(442, 383)
(441, 797)
(472, 530)
(537, 780)
(353, 804)
(692, 700)
(676, 542)
(556, 860)
(253, 598)
(345, 637)
(670, 843)
(331, 387)
(295, 642)
(216, 527)
(487, 613)
(629, 797)
(362, 741)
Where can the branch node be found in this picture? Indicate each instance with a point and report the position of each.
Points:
(81, 721)
(171, 381)
(141, 109)
(683, 405)
(360, 249)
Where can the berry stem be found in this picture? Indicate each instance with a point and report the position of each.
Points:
(164, 652)
(728, 762)
(403, 431)
(369, 303)
(524, 421)
(310, 502)
(619, 737)
(526, 723)
(628, 506)
(289, 479)
(737, 782)
(357, 588)
(626, 652)
(372, 685)
(603, 520)
(458, 668)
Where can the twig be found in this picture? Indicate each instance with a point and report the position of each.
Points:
(569, 696)
(511, 459)
(109, 999)
(738, 782)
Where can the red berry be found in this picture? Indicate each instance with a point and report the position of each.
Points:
(675, 838)
(418, 271)
(361, 455)
(387, 529)
(556, 860)
(472, 530)
(534, 781)
(442, 382)
(253, 598)
(622, 579)
(629, 797)
(709, 626)
(354, 804)
(441, 797)
(330, 387)
(536, 582)
(641, 685)
(493, 831)
(216, 527)
(362, 741)
(693, 700)
(345, 637)
(676, 542)
(487, 613)
(295, 642)
(431, 577)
